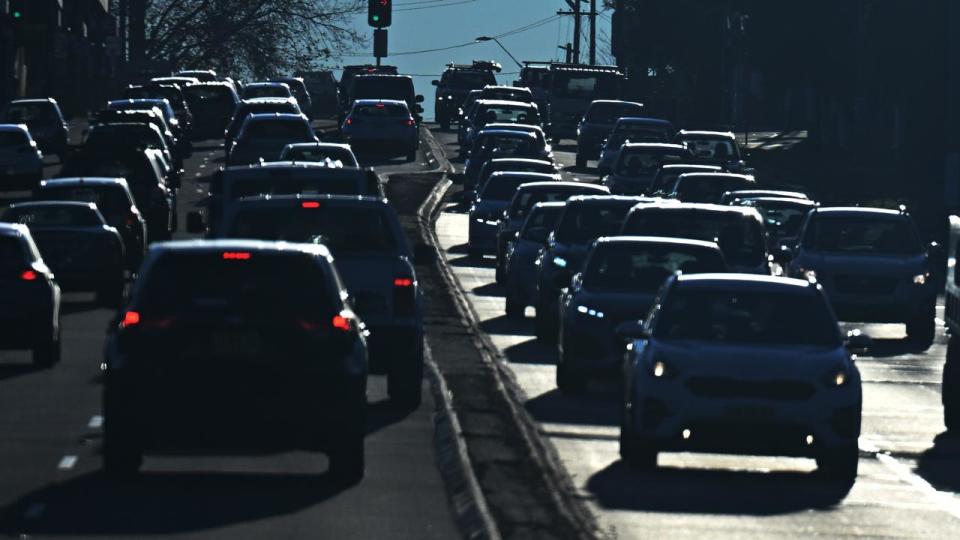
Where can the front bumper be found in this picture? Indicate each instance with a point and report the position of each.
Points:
(899, 305)
(482, 235)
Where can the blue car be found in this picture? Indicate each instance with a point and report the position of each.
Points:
(522, 255)
(487, 210)
(382, 125)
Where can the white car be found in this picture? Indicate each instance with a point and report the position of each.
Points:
(743, 364)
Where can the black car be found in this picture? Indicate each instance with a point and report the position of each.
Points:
(399, 87)
(44, 120)
(708, 187)
(169, 92)
(256, 106)
(114, 200)
(236, 346)
(456, 82)
(212, 105)
(83, 251)
(619, 280)
(29, 297)
(300, 93)
(596, 124)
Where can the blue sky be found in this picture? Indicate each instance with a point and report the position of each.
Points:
(460, 21)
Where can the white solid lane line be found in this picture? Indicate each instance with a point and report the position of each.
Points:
(67, 462)
(941, 499)
(96, 422)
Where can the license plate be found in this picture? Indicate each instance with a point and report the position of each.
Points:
(235, 344)
(748, 412)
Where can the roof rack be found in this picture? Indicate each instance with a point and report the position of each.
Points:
(486, 65)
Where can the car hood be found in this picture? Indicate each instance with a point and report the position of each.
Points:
(489, 208)
(870, 265)
(616, 307)
(748, 362)
(574, 254)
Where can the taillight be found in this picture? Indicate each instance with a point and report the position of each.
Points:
(130, 318)
(131, 220)
(133, 318)
(29, 275)
(343, 321)
(409, 122)
(310, 204)
(349, 121)
(404, 295)
(236, 256)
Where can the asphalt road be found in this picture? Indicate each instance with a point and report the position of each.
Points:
(50, 441)
(908, 483)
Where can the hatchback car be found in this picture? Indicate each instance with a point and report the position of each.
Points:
(741, 364)
(708, 187)
(236, 346)
(502, 143)
(335, 152)
(21, 162)
(597, 123)
(29, 297)
(84, 252)
(491, 201)
(256, 106)
(618, 282)
(523, 250)
(382, 125)
(872, 266)
(508, 164)
(498, 112)
(300, 93)
(782, 218)
(638, 163)
(172, 93)
(635, 130)
(263, 137)
(44, 120)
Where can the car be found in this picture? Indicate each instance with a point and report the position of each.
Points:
(143, 170)
(738, 230)
(170, 92)
(263, 136)
(708, 187)
(872, 265)
(202, 75)
(492, 199)
(632, 129)
(464, 112)
(714, 148)
(114, 201)
(213, 104)
(667, 176)
(498, 112)
(256, 106)
(281, 178)
(508, 164)
(44, 120)
(266, 90)
(320, 152)
(151, 116)
(300, 93)
(618, 282)
(21, 161)
(638, 163)
(783, 217)
(506, 93)
(732, 197)
(741, 364)
(526, 196)
(584, 219)
(323, 90)
(161, 104)
(502, 143)
(382, 125)
(121, 136)
(373, 259)
(386, 87)
(30, 298)
(522, 252)
(456, 82)
(84, 252)
(950, 387)
(182, 82)
(597, 123)
(236, 346)
(346, 79)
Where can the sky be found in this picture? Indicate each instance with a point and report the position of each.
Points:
(432, 24)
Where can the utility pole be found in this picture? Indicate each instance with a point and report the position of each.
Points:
(593, 32)
(577, 13)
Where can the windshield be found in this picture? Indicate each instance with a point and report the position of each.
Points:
(111, 200)
(585, 85)
(544, 217)
(608, 113)
(582, 223)
(644, 162)
(708, 189)
(740, 238)
(501, 187)
(29, 113)
(713, 149)
(278, 129)
(469, 80)
(320, 154)
(52, 216)
(781, 219)
(344, 230)
(277, 91)
(644, 267)
(490, 114)
(342, 185)
(381, 110)
(761, 318)
(862, 234)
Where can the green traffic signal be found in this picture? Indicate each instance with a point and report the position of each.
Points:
(376, 18)
(17, 14)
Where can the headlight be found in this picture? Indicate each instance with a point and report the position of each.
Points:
(450, 97)
(440, 98)
(560, 262)
(590, 312)
(807, 274)
(836, 378)
(921, 279)
(660, 369)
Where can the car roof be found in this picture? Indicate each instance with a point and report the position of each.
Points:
(660, 240)
(265, 84)
(617, 101)
(716, 176)
(506, 103)
(550, 204)
(513, 127)
(511, 132)
(138, 101)
(696, 207)
(383, 101)
(601, 200)
(548, 186)
(692, 167)
(747, 282)
(854, 211)
(32, 101)
(543, 177)
(211, 246)
(755, 193)
(268, 101)
(19, 128)
(224, 84)
(252, 168)
(644, 120)
(13, 229)
(84, 181)
(268, 200)
(786, 200)
(505, 87)
(266, 117)
(707, 134)
(522, 161)
(32, 204)
(655, 146)
(320, 145)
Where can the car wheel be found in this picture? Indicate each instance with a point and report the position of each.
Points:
(405, 386)
(515, 310)
(950, 390)
(347, 458)
(839, 465)
(47, 353)
(922, 329)
(499, 273)
(112, 295)
(581, 161)
(122, 454)
(636, 455)
(569, 381)
(412, 156)
(540, 325)
(474, 253)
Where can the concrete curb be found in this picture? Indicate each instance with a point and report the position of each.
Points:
(550, 468)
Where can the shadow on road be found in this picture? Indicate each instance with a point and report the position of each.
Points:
(528, 352)
(470, 262)
(712, 491)
(9, 370)
(939, 464)
(592, 409)
(490, 289)
(504, 326)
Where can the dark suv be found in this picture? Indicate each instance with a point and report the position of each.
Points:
(237, 346)
(456, 82)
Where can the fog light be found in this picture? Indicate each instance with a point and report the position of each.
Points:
(659, 369)
(685, 434)
(809, 440)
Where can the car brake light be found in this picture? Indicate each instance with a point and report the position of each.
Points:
(131, 220)
(236, 255)
(404, 296)
(130, 318)
(380, 105)
(28, 275)
(349, 121)
(409, 122)
(310, 204)
(342, 322)
(403, 282)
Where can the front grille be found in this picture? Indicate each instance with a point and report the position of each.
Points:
(722, 387)
(852, 284)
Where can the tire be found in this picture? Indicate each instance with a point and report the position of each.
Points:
(500, 273)
(950, 390)
(112, 295)
(405, 387)
(581, 161)
(122, 455)
(540, 326)
(569, 381)
(515, 310)
(839, 465)
(47, 353)
(474, 253)
(922, 329)
(411, 156)
(637, 456)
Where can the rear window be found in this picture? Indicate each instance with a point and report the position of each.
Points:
(608, 113)
(381, 110)
(706, 189)
(173, 96)
(340, 185)
(52, 216)
(127, 136)
(110, 200)
(862, 234)
(501, 188)
(264, 286)
(472, 80)
(637, 134)
(24, 113)
(523, 202)
(715, 149)
(277, 129)
(12, 138)
(12, 254)
(740, 238)
(343, 230)
(318, 154)
(507, 145)
(543, 217)
(644, 268)
(582, 223)
(503, 94)
(644, 162)
(510, 115)
(251, 92)
(382, 88)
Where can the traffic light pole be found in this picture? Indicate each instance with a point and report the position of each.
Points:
(379, 16)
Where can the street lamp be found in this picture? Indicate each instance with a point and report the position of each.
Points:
(497, 41)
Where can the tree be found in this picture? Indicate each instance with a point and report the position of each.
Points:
(255, 38)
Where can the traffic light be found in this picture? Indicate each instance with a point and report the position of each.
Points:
(379, 13)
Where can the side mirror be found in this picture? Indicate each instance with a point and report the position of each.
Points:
(576, 282)
(424, 254)
(195, 223)
(786, 253)
(435, 83)
(857, 341)
(631, 330)
(935, 249)
(418, 98)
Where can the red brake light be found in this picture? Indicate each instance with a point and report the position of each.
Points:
(341, 323)
(403, 282)
(310, 204)
(236, 255)
(409, 122)
(380, 105)
(130, 318)
(29, 275)
(349, 121)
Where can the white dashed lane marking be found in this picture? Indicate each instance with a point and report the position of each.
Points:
(96, 422)
(67, 462)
